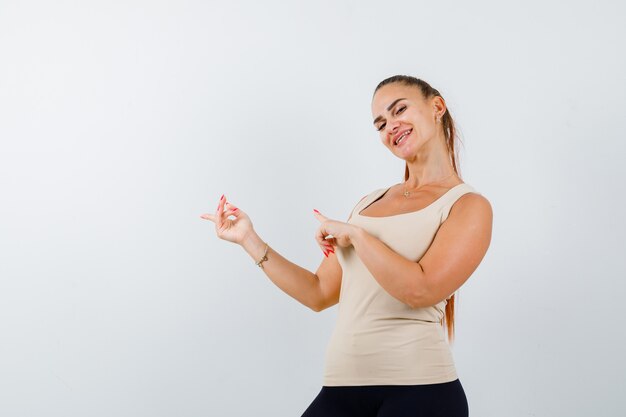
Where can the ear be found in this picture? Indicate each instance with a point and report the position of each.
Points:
(439, 107)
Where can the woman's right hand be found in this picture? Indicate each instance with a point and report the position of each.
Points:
(232, 230)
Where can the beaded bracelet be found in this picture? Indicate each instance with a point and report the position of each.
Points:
(263, 259)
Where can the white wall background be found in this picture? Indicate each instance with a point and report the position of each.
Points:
(122, 121)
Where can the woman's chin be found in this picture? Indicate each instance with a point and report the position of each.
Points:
(405, 149)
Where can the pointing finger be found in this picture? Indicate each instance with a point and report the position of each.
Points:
(220, 211)
(319, 215)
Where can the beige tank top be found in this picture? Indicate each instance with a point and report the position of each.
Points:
(379, 340)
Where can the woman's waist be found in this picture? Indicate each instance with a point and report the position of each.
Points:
(381, 308)
(359, 357)
(425, 320)
(388, 335)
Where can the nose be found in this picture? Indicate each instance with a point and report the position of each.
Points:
(392, 127)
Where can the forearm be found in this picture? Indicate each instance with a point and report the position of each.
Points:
(400, 277)
(294, 280)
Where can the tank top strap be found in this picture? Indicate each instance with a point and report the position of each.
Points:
(367, 200)
(452, 197)
(371, 197)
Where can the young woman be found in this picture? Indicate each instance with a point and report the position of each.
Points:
(393, 267)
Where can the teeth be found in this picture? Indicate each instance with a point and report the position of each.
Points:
(402, 137)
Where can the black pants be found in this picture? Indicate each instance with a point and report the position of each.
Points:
(432, 400)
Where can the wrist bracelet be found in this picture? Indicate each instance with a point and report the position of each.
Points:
(263, 259)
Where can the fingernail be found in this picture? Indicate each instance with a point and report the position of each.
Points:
(316, 211)
(325, 253)
(235, 209)
(222, 197)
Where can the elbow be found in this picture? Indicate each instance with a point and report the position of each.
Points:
(319, 309)
(419, 295)
(322, 305)
(316, 307)
(425, 298)
(420, 301)
(417, 301)
(414, 298)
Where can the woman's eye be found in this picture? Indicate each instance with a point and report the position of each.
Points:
(400, 110)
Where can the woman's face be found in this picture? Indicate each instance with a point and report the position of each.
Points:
(401, 114)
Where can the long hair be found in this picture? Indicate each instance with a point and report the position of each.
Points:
(451, 137)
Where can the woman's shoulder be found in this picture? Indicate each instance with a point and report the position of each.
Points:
(470, 194)
(469, 202)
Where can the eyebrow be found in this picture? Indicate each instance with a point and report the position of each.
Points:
(376, 120)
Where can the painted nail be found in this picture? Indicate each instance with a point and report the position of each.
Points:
(325, 254)
(235, 209)
(222, 197)
(316, 211)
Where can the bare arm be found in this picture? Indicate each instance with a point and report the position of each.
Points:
(304, 286)
(456, 251)
(317, 291)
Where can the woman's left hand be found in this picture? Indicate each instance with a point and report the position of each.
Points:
(341, 232)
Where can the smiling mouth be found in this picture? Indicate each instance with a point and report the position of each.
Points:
(402, 137)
